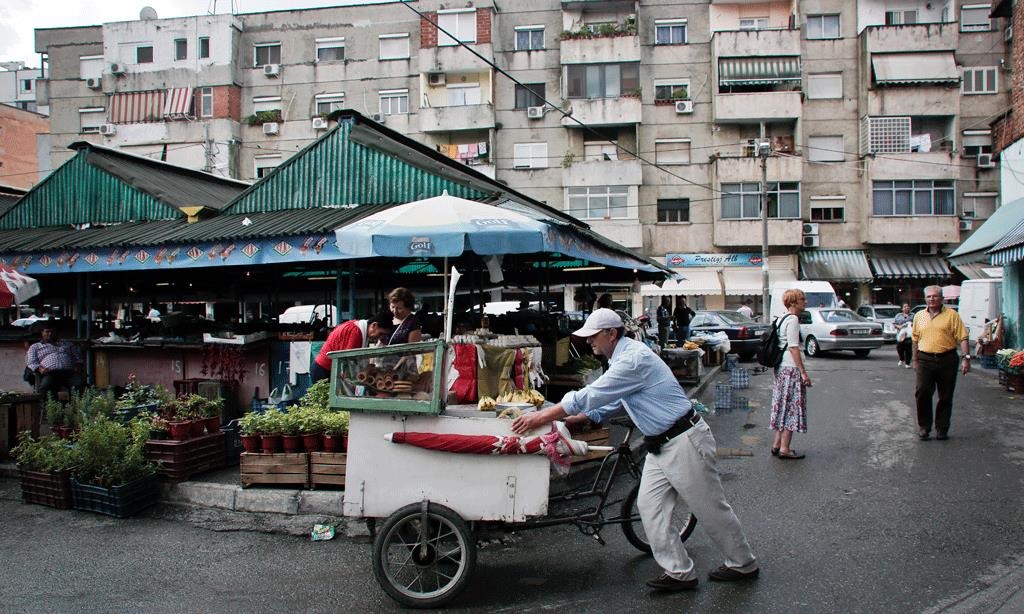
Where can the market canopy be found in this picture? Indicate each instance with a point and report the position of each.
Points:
(695, 283)
(835, 265)
(1010, 248)
(915, 267)
(985, 237)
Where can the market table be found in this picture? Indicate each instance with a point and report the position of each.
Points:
(18, 412)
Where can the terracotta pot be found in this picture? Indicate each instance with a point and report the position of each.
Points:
(180, 431)
(63, 432)
(212, 424)
(270, 443)
(333, 443)
(313, 441)
(292, 443)
(198, 427)
(250, 443)
(344, 443)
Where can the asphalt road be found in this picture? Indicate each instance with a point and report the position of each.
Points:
(873, 520)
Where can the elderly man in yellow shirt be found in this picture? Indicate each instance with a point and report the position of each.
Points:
(938, 330)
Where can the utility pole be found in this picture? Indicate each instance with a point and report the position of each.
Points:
(763, 151)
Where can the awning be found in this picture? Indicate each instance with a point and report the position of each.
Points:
(697, 282)
(835, 265)
(179, 103)
(758, 70)
(137, 107)
(1010, 248)
(920, 267)
(747, 280)
(979, 270)
(911, 68)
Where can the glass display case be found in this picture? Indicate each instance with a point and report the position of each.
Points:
(406, 378)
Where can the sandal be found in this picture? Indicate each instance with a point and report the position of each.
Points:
(790, 455)
(775, 451)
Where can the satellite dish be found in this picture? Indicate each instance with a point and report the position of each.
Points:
(147, 13)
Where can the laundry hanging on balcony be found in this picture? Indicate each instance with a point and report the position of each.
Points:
(759, 70)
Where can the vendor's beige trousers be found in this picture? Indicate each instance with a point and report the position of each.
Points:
(685, 469)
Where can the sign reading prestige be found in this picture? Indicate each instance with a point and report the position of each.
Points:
(693, 260)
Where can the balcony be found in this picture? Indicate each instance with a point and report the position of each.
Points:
(454, 58)
(916, 37)
(627, 233)
(748, 169)
(750, 107)
(620, 111)
(601, 49)
(917, 229)
(448, 119)
(744, 43)
(935, 164)
(603, 172)
(736, 233)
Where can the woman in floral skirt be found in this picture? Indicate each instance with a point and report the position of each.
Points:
(789, 396)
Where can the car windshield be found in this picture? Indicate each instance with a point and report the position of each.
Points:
(886, 312)
(840, 315)
(734, 317)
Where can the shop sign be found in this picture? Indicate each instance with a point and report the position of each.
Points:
(706, 260)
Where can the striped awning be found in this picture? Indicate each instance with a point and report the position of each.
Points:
(1010, 248)
(696, 282)
(743, 281)
(835, 265)
(758, 70)
(918, 267)
(137, 107)
(915, 68)
(178, 104)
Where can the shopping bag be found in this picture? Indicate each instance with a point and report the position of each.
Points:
(740, 378)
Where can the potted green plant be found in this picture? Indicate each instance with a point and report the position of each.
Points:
(335, 431)
(56, 416)
(250, 425)
(159, 428)
(311, 426)
(44, 468)
(291, 433)
(111, 474)
(271, 426)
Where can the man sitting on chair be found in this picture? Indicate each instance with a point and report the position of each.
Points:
(57, 364)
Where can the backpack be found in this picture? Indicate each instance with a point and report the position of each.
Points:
(771, 354)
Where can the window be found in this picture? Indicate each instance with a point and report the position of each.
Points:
(673, 210)
(394, 46)
(828, 209)
(180, 49)
(394, 102)
(206, 102)
(671, 89)
(330, 49)
(826, 148)
(974, 18)
(90, 119)
(144, 54)
(266, 53)
(975, 142)
(672, 151)
(266, 103)
(822, 27)
(530, 155)
(743, 200)
(979, 204)
(669, 31)
(913, 197)
(754, 23)
(980, 80)
(529, 38)
(265, 164)
(328, 103)
(26, 85)
(461, 95)
(204, 47)
(900, 18)
(829, 85)
(599, 202)
(530, 95)
(90, 66)
(602, 80)
(460, 24)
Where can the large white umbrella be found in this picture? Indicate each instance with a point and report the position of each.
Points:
(15, 286)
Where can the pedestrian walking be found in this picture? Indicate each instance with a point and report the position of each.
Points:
(680, 462)
(904, 342)
(664, 315)
(789, 395)
(938, 330)
(681, 318)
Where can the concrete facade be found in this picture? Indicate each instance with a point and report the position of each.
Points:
(18, 87)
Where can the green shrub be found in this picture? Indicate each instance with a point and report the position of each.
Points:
(109, 454)
(43, 454)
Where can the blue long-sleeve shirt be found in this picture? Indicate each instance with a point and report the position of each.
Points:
(637, 381)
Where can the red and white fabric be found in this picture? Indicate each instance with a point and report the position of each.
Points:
(15, 286)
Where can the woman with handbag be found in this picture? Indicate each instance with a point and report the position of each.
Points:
(789, 395)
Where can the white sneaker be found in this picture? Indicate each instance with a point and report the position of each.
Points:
(899, 363)
(907, 366)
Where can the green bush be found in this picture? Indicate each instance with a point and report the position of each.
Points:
(109, 454)
(335, 422)
(44, 454)
(318, 396)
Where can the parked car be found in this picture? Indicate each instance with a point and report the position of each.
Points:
(826, 330)
(744, 334)
(884, 315)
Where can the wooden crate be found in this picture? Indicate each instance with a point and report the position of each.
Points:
(327, 469)
(287, 468)
(595, 436)
(19, 413)
(180, 460)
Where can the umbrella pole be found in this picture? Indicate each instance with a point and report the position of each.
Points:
(444, 295)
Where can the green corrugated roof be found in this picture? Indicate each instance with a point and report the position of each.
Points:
(988, 234)
(334, 170)
(105, 186)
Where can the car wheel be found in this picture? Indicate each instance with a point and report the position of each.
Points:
(861, 353)
(811, 347)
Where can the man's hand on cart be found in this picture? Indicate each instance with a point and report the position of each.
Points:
(529, 421)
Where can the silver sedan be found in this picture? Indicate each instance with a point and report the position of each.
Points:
(827, 329)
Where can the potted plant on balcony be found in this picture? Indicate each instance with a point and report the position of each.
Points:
(111, 475)
(44, 468)
(263, 117)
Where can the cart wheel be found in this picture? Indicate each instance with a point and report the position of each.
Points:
(683, 521)
(423, 559)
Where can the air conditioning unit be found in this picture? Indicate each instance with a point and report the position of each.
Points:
(810, 229)
(436, 78)
(319, 123)
(94, 83)
(378, 117)
(118, 69)
(271, 70)
(985, 161)
(108, 129)
(535, 112)
(811, 241)
(684, 106)
(966, 224)
(271, 128)
(928, 249)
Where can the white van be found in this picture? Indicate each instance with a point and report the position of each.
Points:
(819, 294)
(303, 314)
(980, 299)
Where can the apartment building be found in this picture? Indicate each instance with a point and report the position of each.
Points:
(18, 86)
(866, 125)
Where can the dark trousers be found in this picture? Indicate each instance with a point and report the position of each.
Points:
(935, 372)
(318, 373)
(905, 350)
(55, 381)
(662, 335)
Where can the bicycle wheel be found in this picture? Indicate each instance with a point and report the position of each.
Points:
(423, 564)
(683, 521)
